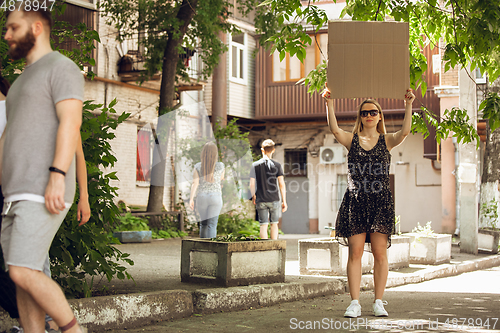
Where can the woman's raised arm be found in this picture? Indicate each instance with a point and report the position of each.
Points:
(343, 137)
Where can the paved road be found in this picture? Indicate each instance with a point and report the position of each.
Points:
(433, 306)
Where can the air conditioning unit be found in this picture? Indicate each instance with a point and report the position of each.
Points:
(332, 155)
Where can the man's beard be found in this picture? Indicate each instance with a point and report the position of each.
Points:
(23, 46)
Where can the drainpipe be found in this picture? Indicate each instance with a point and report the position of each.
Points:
(457, 188)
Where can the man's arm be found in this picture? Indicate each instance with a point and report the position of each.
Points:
(83, 211)
(252, 189)
(281, 181)
(69, 113)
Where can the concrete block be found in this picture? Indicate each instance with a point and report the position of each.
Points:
(429, 250)
(132, 310)
(278, 293)
(398, 254)
(325, 256)
(233, 263)
(133, 236)
(487, 240)
(227, 299)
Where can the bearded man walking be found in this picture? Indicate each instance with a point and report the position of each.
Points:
(37, 150)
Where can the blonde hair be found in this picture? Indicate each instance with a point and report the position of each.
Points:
(209, 156)
(268, 146)
(358, 126)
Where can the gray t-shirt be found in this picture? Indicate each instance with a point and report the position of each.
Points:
(32, 124)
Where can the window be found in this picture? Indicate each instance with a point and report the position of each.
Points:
(480, 77)
(237, 58)
(78, 12)
(291, 69)
(144, 155)
(295, 163)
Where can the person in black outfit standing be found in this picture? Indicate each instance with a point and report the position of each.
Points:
(265, 176)
(367, 210)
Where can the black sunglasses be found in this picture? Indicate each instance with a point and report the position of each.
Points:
(365, 113)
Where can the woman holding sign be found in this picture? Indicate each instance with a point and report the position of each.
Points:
(366, 214)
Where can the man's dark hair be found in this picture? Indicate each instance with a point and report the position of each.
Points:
(42, 13)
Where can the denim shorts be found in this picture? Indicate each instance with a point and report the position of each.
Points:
(269, 211)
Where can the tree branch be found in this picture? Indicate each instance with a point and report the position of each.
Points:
(378, 10)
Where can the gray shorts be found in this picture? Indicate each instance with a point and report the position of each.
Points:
(269, 211)
(27, 232)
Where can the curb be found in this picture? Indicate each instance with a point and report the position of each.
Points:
(125, 311)
(239, 298)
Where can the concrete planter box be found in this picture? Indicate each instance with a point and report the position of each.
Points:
(325, 256)
(133, 236)
(398, 254)
(429, 250)
(487, 240)
(233, 263)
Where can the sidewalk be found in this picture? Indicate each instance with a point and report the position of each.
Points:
(158, 294)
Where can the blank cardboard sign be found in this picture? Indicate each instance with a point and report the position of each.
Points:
(368, 59)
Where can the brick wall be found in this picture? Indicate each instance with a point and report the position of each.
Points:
(449, 78)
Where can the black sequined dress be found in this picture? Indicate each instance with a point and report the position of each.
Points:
(367, 206)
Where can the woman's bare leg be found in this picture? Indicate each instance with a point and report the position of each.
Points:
(356, 247)
(381, 265)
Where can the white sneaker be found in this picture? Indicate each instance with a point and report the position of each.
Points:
(378, 308)
(354, 309)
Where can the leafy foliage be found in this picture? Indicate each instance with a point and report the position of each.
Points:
(81, 252)
(87, 39)
(234, 238)
(162, 23)
(455, 120)
(425, 230)
(128, 222)
(490, 107)
(236, 223)
(489, 210)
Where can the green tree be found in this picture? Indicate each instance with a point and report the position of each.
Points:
(169, 29)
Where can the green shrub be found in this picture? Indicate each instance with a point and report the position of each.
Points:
(128, 222)
(87, 251)
(237, 224)
(156, 234)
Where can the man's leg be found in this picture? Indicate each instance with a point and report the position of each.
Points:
(263, 212)
(274, 230)
(37, 295)
(275, 213)
(30, 314)
(263, 231)
(28, 243)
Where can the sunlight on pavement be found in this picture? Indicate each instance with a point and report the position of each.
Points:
(485, 281)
